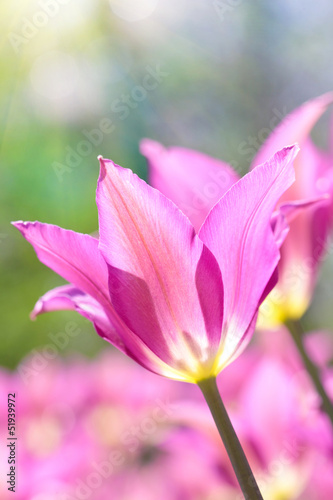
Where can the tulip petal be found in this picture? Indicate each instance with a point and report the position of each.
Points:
(158, 270)
(57, 299)
(243, 240)
(306, 242)
(192, 180)
(74, 256)
(295, 128)
(68, 297)
(288, 212)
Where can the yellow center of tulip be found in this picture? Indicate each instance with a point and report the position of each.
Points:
(278, 308)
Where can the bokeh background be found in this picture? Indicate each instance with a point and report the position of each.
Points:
(217, 75)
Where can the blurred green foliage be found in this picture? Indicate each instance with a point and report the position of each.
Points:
(66, 71)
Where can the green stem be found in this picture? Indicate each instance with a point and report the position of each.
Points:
(230, 440)
(296, 332)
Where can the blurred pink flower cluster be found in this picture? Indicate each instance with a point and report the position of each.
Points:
(107, 429)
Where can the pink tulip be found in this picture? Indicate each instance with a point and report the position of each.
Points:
(182, 304)
(307, 242)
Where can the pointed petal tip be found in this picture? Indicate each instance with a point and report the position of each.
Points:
(292, 148)
(321, 101)
(37, 310)
(24, 223)
(288, 153)
(26, 227)
(102, 163)
(101, 160)
(21, 225)
(17, 223)
(284, 156)
(324, 99)
(33, 315)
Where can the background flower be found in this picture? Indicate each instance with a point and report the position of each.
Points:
(307, 243)
(95, 427)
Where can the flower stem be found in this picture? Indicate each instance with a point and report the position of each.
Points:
(230, 440)
(296, 332)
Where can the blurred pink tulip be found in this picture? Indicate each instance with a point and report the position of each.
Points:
(192, 180)
(181, 304)
(307, 242)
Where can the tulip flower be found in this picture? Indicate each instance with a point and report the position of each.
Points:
(307, 242)
(182, 304)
